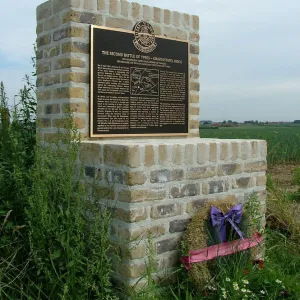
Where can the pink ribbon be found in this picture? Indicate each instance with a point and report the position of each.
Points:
(223, 249)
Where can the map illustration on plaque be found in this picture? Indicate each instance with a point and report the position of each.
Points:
(144, 82)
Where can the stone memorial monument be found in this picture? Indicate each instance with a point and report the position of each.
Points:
(130, 73)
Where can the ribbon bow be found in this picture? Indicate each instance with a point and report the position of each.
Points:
(233, 216)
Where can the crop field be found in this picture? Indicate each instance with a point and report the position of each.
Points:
(283, 141)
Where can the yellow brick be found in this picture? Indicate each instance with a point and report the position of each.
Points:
(133, 251)
(194, 74)
(45, 95)
(176, 18)
(76, 47)
(122, 155)
(89, 4)
(194, 49)
(113, 7)
(224, 151)
(189, 154)
(203, 153)
(141, 195)
(133, 196)
(64, 63)
(194, 98)
(69, 92)
(175, 33)
(186, 18)
(59, 5)
(54, 51)
(194, 111)
(134, 233)
(157, 29)
(195, 86)
(77, 32)
(50, 137)
(254, 146)
(43, 11)
(177, 159)
(39, 28)
(194, 37)
(165, 211)
(147, 13)
(213, 154)
(163, 154)
(134, 159)
(125, 8)
(136, 10)
(102, 5)
(131, 216)
(52, 109)
(43, 40)
(135, 178)
(133, 270)
(44, 122)
(90, 154)
(194, 124)
(50, 80)
(75, 77)
(235, 150)
(167, 16)
(43, 68)
(39, 108)
(196, 22)
(264, 149)
(64, 123)
(149, 156)
(157, 14)
(39, 81)
(194, 133)
(245, 150)
(258, 166)
(261, 180)
(194, 60)
(69, 32)
(119, 23)
(76, 107)
(82, 17)
(201, 172)
(79, 123)
(104, 192)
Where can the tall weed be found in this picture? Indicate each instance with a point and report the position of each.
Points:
(54, 236)
(68, 235)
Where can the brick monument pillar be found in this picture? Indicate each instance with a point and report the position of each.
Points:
(155, 183)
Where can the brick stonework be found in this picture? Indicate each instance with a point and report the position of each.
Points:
(63, 53)
(154, 185)
(157, 187)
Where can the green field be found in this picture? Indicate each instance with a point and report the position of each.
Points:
(283, 141)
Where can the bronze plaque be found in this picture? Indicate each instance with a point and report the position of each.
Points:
(139, 83)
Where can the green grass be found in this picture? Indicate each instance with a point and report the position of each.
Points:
(283, 141)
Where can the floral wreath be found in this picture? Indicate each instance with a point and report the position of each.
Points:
(220, 228)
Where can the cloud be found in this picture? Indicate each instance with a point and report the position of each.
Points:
(17, 30)
(291, 86)
(272, 101)
(13, 80)
(249, 59)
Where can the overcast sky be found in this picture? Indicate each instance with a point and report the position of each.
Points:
(249, 60)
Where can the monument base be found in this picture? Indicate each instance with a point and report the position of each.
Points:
(155, 186)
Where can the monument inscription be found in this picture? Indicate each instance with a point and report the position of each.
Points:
(139, 83)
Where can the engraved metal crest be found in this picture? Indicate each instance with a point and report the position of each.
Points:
(144, 37)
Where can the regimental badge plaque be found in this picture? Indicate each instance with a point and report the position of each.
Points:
(139, 83)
